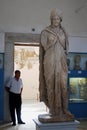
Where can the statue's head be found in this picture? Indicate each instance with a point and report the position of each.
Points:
(56, 13)
(56, 17)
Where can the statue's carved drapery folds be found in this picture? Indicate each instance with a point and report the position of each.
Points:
(54, 70)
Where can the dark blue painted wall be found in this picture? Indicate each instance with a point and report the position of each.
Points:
(1, 85)
(78, 109)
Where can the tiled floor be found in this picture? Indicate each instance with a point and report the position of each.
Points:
(30, 111)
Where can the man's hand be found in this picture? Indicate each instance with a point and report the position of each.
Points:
(7, 89)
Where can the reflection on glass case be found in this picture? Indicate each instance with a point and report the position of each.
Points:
(78, 89)
(77, 61)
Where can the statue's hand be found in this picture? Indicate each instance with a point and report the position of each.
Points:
(52, 39)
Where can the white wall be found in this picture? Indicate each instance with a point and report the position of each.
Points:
(78, 44)
(23, 15)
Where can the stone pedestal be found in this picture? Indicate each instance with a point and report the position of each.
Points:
(56, 126)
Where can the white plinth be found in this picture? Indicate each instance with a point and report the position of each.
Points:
(56, 126)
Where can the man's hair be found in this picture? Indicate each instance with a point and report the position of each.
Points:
(17, 71)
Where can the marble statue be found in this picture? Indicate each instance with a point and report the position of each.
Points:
(68, 64)
(53, 70)
(77, 60)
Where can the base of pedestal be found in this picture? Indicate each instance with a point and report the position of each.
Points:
(56, 126)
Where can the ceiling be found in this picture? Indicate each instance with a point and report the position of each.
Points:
(26, 15)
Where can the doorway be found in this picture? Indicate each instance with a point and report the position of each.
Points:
(26, 59)
(10, 41)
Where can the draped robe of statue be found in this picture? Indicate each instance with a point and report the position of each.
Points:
(53, 70)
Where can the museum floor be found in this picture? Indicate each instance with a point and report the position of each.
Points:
(30, 111)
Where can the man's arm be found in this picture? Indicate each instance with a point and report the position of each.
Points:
(21, 90)
(8, 84)
(7, 88)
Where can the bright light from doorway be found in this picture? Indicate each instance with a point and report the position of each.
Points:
(26, 59)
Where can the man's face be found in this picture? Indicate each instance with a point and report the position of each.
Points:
(17, 75)
(55, 21)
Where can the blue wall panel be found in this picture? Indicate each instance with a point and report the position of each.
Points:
(78, 109)
(1, 85)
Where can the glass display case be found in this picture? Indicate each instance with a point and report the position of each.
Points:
(77, 61)
(78, 90)
(77, 66)
(77, 84)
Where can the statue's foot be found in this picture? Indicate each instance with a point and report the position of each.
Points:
(47, 118)
(69, 114)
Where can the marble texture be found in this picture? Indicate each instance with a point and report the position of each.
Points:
(53, 68)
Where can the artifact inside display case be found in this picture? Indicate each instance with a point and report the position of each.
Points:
(77, 61)
(78, 89)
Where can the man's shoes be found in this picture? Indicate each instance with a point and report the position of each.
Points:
(14, 124)
(21, 122)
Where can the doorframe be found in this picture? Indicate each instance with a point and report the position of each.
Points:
(10, 40)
